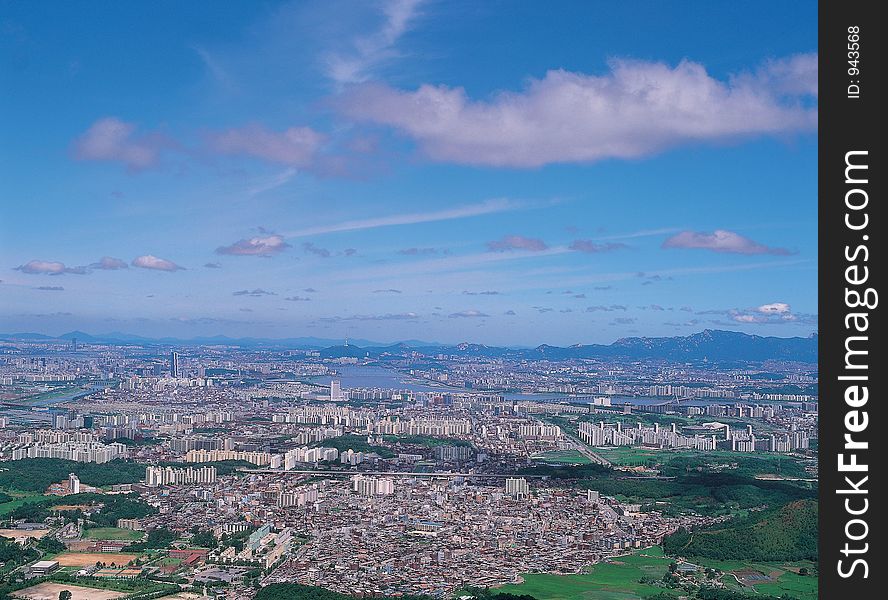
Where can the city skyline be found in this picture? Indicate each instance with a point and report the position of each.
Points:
(409, 170)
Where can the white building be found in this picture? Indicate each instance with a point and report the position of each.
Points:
(371, 486)
(517, 488)
(157, 476)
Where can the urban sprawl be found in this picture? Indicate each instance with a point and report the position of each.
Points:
(397, 473)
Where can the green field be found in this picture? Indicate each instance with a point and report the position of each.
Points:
(746, 463)
(564, 457)
(112, 533)
(637, 455)
(169, 562)
(20, 499)
(797, 586)
(632, 455)
(614, 580)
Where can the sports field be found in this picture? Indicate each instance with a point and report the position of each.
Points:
(83, 559)
(20, 535)
(112, 533)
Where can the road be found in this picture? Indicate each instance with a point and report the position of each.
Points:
(583, 449)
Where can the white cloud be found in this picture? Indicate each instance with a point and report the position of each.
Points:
(791, 76)
(517, 242)
(111, 139)
(591, 247)
(721, 240)
(154, 263)
(256, 293)
(775, 308)
(407, 316)
(742, 318)
(772, 313)
(295, 146)
(255, 246)
(42, 267)
(370, 51)
(467, 314)
(637, 109)
(471, 210)
(109, 263)
(213, 66)
(49, 267)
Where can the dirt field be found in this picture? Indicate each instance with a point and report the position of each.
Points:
(23, 534)
(83, 559)
(50, 591)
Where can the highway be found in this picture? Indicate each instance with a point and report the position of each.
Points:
(583, 449)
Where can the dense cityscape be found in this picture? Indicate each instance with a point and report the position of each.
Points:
(377, 471)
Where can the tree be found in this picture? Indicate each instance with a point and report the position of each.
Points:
(65, 595)
(157, 538)
(51, 545)
(204, 539)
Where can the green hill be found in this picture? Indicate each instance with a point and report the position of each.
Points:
(35, 474)
(784, 534)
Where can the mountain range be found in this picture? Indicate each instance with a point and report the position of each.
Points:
(710, 344)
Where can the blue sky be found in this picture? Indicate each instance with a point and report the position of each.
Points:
(498, 172)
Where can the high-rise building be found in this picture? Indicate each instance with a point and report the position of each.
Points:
(157, 476)
(517, 488)
(370, 486)
(174, 364)
(336, 390)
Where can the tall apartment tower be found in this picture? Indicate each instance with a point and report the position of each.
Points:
(517, 488)
(174, 364)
